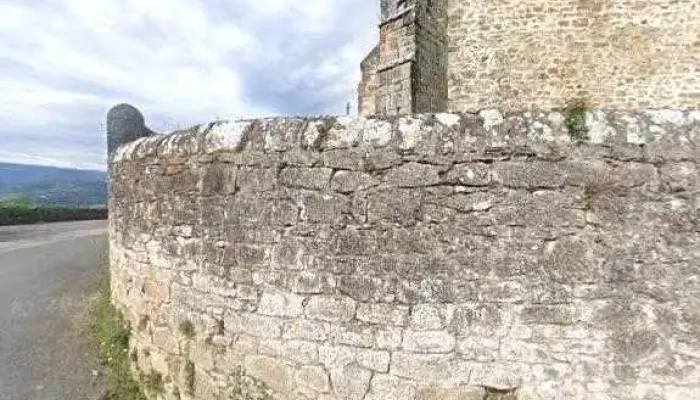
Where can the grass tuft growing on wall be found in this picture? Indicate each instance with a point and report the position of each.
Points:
(575, 119)
(112, 334)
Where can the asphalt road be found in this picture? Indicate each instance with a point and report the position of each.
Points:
(48, 274)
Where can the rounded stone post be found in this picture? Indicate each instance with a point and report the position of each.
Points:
(125, 123)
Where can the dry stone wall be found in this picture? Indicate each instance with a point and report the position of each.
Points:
(449, 256)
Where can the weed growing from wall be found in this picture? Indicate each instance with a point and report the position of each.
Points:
(188, 332)
(187, 329)
(575, 119)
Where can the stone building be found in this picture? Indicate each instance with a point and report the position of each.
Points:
(459, 55)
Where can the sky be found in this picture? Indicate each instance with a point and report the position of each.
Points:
(64, 63)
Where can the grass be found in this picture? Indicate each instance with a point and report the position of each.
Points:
(18, 210)
(112, 334)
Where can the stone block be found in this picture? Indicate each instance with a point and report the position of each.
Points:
(311, 282)
(351, 335)
(382, 314)
(314, 378)
(323, 208)
(375, 360)
(471, 174)
(219, 179)
(388, 338)
(334, 357)
(254, 325)
(535, 175)
(426, 317)
(555, 315)
(352, 181)
(428, 341)
(350, 382)
(300, 351)
(387, 387)
(427, 369)
(330, 308)
(411, 175)
(306, 330)
(255, 180)
(280, 304)
(306, 178)
(275, 374)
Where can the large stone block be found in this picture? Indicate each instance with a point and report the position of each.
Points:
(330, 308)
(277, 303)
(387, 387)
(275, 374)
(306, 178)
(428, 341)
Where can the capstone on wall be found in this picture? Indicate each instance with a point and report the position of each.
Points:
(474, 256)
(520, 54)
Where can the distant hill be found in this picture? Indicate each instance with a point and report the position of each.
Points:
(53, 186)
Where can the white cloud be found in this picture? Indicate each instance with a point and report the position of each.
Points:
(64, 63)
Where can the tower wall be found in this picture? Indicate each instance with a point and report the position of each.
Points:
(367, 89)
(430, 65)
(411, 71)
(520, 54)
(397, 47)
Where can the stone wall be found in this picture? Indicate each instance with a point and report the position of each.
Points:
(518, 54)
(474, 256)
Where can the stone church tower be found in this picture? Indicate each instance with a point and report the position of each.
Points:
(407, 71)
(459, 55)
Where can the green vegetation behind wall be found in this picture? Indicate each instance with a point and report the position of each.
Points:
(19, 210)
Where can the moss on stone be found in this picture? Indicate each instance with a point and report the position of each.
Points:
(575, 119)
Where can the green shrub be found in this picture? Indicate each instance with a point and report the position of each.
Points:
(19, 210)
